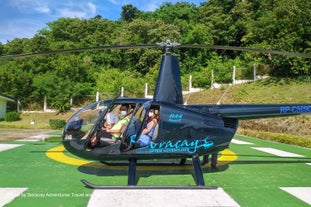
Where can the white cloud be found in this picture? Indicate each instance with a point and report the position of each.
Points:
(80, 10)
(143, 5)
(20, 5)
(23, 28)
(27, 7)
(151, 5)
(43, 9)
(115, 2)
(92, 8)
(23, 18)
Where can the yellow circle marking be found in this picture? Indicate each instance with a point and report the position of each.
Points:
(57, 154)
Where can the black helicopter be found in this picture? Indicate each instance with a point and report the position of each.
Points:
(182, 131)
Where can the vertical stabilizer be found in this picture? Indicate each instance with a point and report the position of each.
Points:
(169, 87)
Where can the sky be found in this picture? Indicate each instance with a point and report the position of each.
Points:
(23, 18)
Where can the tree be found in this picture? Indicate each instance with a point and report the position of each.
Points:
(16, 80)
(111, 81)
(1, 48)
(182, 15)
(283, 25)
(129, 13)
(215, 15)
(142, 32)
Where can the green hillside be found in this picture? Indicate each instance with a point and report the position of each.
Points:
(271, 90)
(281, 25)
(293, 130)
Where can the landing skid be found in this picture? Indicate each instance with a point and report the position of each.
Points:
(132, 178)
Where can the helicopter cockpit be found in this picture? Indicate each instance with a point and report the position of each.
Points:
(85, 119)
(86, 124)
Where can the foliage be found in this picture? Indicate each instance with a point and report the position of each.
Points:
(57, 123)
(11, 116)
(266, 91)
(279, 25)
(292, 130)
(41, 120)
(283, 138)
(129, 13)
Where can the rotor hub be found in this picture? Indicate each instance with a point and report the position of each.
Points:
(168, 45)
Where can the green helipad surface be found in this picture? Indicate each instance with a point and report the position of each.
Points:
(263, 174)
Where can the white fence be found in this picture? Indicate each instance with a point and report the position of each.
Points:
(214, 85)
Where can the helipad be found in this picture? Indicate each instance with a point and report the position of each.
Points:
(161, 197)
(43, 173)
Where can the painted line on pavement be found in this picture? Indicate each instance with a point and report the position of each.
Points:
(160, 197)
(4, 147)
(277, 152)
(302, 193)
(35, 138)
(9, 194)
(235, 141)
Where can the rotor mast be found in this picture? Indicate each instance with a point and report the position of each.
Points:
(169, 88)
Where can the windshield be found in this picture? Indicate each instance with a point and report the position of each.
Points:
(85, 119)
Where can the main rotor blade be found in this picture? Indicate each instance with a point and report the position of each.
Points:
(168, 45)
(234, 48)
(111, 47)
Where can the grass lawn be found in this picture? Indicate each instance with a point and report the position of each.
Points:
(41, 120)
(253, 179)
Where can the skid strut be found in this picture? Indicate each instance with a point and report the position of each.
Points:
(198, 170)
(132, 171)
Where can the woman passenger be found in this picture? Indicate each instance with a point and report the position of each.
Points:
(147, 133)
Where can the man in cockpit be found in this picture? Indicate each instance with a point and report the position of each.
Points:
(108, 135)
(111, 119)
(118, 128)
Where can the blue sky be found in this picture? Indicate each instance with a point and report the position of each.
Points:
(23, 18)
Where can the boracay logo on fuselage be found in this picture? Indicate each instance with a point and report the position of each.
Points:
(180, 145)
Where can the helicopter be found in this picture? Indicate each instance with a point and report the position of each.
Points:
(182, 131)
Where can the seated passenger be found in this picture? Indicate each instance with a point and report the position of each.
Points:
(110, 135)
(116, 130)
(111, 119)
(147, 134)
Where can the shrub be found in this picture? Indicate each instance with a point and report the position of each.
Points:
(11, 116)
(299, 140)
(57, 123)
